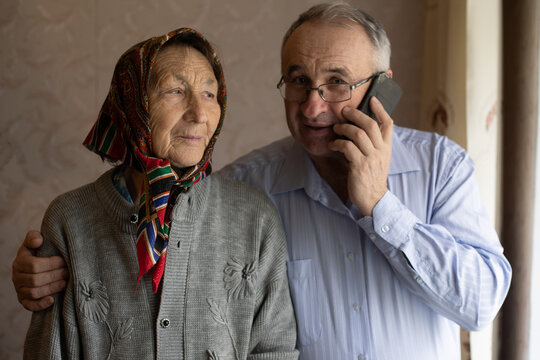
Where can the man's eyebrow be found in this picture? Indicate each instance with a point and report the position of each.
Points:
(338, 70)
(292, 69)
(333, 70)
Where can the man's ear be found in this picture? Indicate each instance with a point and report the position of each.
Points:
(389, 72)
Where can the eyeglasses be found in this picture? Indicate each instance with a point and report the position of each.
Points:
(330, 93)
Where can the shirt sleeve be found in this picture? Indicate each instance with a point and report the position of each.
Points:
(454, 261)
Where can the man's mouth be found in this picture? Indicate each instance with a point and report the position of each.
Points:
(318, 128)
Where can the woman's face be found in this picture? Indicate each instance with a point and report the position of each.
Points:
(184, 111)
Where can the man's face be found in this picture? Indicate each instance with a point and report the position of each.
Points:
(318, 54)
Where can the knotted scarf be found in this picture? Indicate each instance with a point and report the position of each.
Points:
(122, 134)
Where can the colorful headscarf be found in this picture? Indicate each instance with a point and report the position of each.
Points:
(122, 133)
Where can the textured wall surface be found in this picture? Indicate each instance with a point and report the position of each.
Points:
(56, 62)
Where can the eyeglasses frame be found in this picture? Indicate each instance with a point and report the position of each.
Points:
(308, 90)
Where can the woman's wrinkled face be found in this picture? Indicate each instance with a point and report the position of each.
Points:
(184, 112)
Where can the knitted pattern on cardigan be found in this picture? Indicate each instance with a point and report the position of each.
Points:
(224, 293)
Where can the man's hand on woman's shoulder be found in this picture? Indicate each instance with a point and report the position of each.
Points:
(36, 278)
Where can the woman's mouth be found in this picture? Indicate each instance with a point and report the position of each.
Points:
(189, 138)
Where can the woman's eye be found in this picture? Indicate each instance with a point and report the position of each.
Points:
(176, 92)
(209, 95)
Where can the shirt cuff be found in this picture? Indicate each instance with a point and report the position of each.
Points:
(391, 222)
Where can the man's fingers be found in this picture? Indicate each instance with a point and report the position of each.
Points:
(387, 124)
(36, 265)
(33, 239)
(40, 279)
(358, 136)
(36, 293)
(36, 278)
(364, 122)
(37, 305)
(31, 242)
(349, 150)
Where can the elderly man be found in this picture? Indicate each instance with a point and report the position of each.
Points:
(389, 247)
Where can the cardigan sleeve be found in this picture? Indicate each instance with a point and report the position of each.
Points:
(53, 333)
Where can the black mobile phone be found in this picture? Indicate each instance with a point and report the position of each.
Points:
(386, 90)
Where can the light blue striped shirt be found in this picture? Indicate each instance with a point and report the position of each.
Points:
(396, 285)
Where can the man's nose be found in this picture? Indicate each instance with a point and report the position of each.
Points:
(314, 104)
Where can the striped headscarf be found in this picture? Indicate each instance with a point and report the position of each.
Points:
(122, 134)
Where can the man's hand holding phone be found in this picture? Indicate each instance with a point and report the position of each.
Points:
(368, 149)
(367, 144)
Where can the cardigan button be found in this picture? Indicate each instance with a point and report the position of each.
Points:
(133, 218)
(165, 323)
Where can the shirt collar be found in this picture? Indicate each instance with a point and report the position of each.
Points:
(293, 174)
(299, 172)
(402, 160)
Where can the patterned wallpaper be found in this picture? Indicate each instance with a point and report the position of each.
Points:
(56, 62)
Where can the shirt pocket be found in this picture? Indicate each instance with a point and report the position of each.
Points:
(304, 293)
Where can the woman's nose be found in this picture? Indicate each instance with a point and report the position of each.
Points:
(197, 110)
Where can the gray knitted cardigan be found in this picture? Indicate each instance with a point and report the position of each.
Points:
(224, 294)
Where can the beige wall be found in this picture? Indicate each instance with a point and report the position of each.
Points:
(56, 62)
(483, 99)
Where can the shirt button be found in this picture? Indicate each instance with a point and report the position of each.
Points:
(133, 218)
(350, 256)
(165, 323)
(356, 307)
(362, 357)
(372, 236)
(385, 228)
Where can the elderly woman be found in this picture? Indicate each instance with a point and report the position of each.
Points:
(164, 260)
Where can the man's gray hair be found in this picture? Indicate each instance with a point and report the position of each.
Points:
(342, 13)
